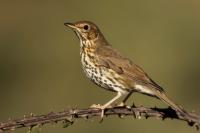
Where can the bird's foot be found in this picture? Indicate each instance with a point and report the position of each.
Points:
(122, 104)
(98, 106)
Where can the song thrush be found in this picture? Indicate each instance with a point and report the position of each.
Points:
(109, 69)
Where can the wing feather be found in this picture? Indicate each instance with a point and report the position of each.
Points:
(112, 59)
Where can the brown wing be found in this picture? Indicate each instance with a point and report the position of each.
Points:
(111, 58)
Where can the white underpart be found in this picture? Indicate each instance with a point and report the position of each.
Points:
(89, 74)
(118, 89)
(79, 36)
(105, 74)
(143, 89)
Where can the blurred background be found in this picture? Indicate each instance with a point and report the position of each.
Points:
(40, 68)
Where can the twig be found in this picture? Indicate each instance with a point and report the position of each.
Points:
(70, 115)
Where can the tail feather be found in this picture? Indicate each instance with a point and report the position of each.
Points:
(164, 98)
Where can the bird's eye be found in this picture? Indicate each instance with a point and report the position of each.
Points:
(86, 27)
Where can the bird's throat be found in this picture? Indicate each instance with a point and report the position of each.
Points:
(87, 47)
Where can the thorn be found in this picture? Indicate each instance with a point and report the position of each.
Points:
(170, 108)
(30, 128)
(121, 116)
(197, 127)
(74, 116)
(139, 117)
(87, 117)
(191, 123)
(67, 123)
(74, 111)
(31, 114)
(106, 115)
(101, 120)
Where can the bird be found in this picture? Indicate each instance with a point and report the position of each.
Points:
(108, 68)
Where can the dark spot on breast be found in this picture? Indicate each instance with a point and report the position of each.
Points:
(100, 82)
(111, 80)
(110, 85)
(115, 85)
(100, 71)
(96, 71)
(90, 56)
(86, 63)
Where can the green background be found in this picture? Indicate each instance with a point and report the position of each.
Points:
(40, 67)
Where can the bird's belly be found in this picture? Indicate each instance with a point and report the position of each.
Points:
(103, 78)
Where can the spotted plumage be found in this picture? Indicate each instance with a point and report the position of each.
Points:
(109, 69)
(99, 75)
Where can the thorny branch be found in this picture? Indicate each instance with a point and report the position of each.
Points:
(68, 116)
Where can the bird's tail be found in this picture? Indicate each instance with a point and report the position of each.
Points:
(162, 96)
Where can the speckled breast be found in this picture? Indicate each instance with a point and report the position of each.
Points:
(101, 76)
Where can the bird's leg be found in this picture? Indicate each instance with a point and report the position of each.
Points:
(103, 107)
(119, 94)
(123, 103)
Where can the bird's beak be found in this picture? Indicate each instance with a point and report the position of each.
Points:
(71, 25)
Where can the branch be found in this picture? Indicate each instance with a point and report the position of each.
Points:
(70, 115)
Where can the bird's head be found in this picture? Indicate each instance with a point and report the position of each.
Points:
(85, 30)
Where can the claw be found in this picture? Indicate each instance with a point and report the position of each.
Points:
(133, 105)
(122, 104)
(98, 106)
(108, 104)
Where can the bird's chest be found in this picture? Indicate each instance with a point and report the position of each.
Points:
(101, 76)
(91, 69)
